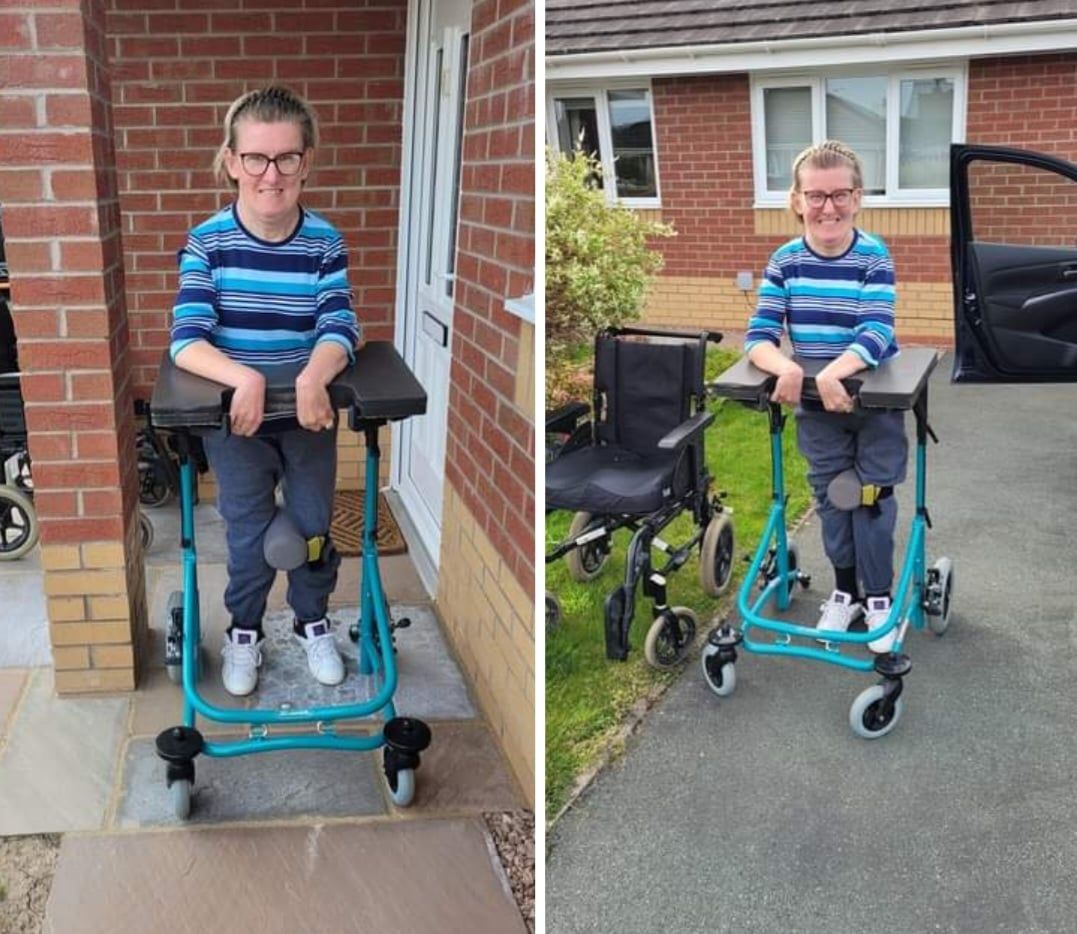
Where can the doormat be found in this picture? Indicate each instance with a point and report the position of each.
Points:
(347, 526)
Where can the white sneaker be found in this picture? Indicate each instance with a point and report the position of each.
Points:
(878, 612)
(838, 613)
(323, 658)
(242, 653)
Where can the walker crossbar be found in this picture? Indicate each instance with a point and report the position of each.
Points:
(900, 384)
(376, 389)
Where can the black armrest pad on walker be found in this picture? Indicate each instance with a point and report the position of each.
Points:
(685, 431)
(378, 385)
(896, 384)
(563, 420)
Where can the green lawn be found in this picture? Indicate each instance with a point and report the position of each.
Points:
(588, 697)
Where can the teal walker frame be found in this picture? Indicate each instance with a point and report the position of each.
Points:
(182, 403)
(922, 597)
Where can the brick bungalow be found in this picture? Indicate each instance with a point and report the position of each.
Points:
(704, 106)
(110, 113)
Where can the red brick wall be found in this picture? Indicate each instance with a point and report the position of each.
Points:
(703, 134)
(490, 458)
(62, 228)
(1029, 102)
(178, 64)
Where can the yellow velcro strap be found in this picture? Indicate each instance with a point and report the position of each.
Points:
(869, 494)
(315, 547)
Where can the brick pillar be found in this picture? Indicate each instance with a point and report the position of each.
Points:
(62, 236)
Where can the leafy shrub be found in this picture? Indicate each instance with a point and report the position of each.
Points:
(598, 264)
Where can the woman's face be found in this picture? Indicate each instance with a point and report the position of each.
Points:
(270, 196)
(828, 226)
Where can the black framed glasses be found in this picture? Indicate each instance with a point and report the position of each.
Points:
(839, 197)
(257, 163)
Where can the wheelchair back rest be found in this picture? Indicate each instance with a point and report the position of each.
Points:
(12, 416)
(647, 389)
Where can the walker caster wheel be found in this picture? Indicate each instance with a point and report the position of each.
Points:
(721, 677)
(794, 568)
(405, 738)
(353, 632)
(940, 590)
(586, 562)
(180, 793)
(670, 638)
(401, 786)
(716, 555)
(874, 713)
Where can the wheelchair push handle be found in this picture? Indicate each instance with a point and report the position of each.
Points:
(715, 337)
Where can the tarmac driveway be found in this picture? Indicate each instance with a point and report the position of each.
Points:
(762, 812)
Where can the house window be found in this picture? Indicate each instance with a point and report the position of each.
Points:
(900, 123)
(616, 125)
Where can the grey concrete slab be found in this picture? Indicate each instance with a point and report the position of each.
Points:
(762, 812)
(429, 683)
(262, 786)
(12, 681)
(400, 876)
(24, 637)
(59, 763)
(208, 534)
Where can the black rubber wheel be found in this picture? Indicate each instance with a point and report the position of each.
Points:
(667, 645)
(586, 562)
(716, 555)
(18, 523)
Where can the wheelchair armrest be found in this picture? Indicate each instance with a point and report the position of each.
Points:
(563, 420)
(685, 431)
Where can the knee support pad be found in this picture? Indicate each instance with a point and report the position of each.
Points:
(846, 492)
(285, 548)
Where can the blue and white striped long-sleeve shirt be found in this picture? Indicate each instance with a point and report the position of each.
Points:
(264, 303)
(828, 304)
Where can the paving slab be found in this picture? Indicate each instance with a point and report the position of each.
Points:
(11, 685)
(24, 637)
(60, 759)
(208, 534)
(395, 876)
(263, 786)
(763, 813)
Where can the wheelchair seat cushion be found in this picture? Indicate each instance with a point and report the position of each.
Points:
(610, 479)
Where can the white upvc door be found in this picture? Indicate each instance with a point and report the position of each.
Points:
(434, 122)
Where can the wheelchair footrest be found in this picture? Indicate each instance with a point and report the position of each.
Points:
(620, 608)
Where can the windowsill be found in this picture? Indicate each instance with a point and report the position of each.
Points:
(522, 307)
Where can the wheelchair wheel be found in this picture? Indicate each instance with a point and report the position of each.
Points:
(553, 612)
(716, 556)
(18, 524)
(586, 562)
(668, 642)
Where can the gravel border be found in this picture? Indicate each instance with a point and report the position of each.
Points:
(514, 836)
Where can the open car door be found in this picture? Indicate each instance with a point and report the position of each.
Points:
(1013, 217)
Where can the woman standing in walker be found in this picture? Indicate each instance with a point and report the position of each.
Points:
(832, 290)
(265, 282)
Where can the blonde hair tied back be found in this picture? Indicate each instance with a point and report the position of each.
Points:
(273, 104)
(829, 154)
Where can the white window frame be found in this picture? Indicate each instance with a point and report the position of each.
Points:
(599, 94)
(816, 81)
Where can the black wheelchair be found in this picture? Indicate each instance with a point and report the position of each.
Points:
(18, 520)
(635, 459)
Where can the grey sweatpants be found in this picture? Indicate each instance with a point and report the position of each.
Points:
(248, 471)
(872, 443)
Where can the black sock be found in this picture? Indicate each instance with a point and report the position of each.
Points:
(845, 581)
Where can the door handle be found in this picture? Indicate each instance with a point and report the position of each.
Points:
(1069, 272)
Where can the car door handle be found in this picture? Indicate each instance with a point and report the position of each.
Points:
(1069, 272)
